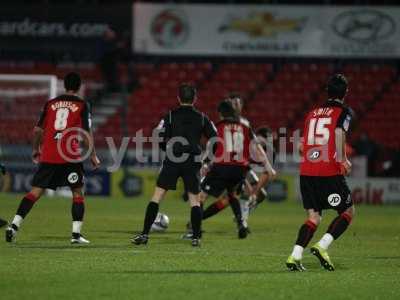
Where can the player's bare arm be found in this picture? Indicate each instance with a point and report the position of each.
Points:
(88, 142)
(37, 140)
(262, 157)
(263, 180)
(340, 140)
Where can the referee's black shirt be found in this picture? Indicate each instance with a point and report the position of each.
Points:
(188, 123)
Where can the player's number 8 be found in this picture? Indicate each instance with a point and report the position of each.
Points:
(61, 119)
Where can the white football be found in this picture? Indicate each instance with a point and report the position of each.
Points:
(160, 223)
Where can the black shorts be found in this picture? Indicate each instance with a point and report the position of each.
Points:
(321, 193)
(223, 177)
(51, 176)
(189, 171)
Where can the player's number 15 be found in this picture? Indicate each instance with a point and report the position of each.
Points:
(318, 133)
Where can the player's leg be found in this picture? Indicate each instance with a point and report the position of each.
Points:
(150, 215)
(23, 210)
(196, 215)
(337, 227)
(337, 197)
(201, 197)
(152, 209)
(191, 181)
(220, 204)
(310, 195)
(234, 179)
(77, 213)
(304, 236)
(244, 191)
(248, 206)
(166, 181)
(237, 212)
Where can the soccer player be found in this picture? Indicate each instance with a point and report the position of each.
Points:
(231, 162)
(322, 170)
(253, 178)
(182, 130)
(56, 148)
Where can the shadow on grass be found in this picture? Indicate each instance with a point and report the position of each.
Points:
(168, 232)
(199, 272)
(384, 257)
(54, 238)
(73, 247)
(116, 231)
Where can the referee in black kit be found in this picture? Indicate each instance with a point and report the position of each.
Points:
(181, 132)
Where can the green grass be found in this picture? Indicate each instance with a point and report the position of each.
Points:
(43, 265)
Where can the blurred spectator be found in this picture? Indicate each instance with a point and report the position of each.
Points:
(365, 146)
(108, 60)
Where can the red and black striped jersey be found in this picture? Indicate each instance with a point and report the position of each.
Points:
(319, 156)
(234, 142)
(61, 120)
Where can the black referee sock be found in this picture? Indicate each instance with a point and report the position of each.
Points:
(237, 211)
(151, 214)
(339, 225)
(195, 218)
(306, 233)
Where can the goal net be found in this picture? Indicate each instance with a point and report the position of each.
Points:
(21, 100)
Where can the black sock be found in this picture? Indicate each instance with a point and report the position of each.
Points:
(151, 214)
(306, 233)
(25, 207)
(213, 209)
(237, 211)
(195, 218)
(339, 225)
(77, 211)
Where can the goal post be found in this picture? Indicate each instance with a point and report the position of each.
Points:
(48, 80)
(22, 97)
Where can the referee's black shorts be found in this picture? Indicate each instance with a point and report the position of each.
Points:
(330, 192)
(189, 171)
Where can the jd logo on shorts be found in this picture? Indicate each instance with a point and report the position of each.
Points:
(334, 199)
(73, 177)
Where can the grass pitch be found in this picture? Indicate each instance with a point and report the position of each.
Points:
(43, 265)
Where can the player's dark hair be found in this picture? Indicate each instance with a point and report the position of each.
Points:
(72, 82)
(234, 95)
(337, 86)
(187, 93)
(226, 109)
(264, 131)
